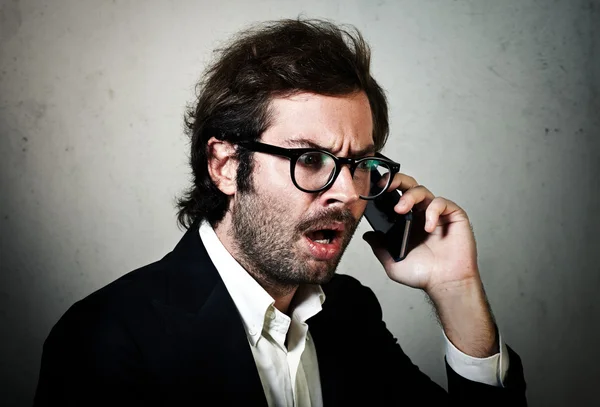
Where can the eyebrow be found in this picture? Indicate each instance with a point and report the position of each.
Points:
(301, 142)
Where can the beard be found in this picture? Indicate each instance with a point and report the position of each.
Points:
(269, 242)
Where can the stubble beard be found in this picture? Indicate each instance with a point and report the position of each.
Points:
(267, 242)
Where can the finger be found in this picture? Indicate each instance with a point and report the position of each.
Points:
(418, 197)
(437, 208)
(402, 182)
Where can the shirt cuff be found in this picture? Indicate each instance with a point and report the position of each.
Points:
(491, 370)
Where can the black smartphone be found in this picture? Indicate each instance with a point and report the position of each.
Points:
(381, 216)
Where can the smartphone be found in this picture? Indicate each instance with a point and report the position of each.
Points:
(396, 227)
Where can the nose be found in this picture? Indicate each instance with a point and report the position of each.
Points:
(343, 189)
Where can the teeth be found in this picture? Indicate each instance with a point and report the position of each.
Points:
(323, 241)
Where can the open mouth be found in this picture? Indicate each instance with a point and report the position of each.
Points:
(323, 236)
(324, 242)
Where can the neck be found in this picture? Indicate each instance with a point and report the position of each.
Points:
(282, 294)
(282, 300)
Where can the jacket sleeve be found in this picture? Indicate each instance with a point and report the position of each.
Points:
(404, 379)
(89, 359)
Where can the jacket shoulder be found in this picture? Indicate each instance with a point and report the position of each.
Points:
(347, 293)
(111, 308)
(341, 282)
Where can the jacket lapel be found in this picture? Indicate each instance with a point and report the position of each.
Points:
(207, 343)
(322, 329)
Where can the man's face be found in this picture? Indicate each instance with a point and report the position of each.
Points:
(287, 236)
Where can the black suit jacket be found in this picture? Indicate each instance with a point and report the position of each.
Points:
(170, 334)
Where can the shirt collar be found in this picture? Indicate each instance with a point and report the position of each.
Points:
(251, 300)
(309, 299)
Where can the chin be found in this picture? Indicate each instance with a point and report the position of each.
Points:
(326, 278)
(322, 274)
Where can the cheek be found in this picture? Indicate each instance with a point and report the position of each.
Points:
(272, 178)
(272, 174)
(359, 208)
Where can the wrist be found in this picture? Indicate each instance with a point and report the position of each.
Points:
(465, 316)
(451, 290)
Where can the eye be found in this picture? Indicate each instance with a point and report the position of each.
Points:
(368, 165)
(313, 160)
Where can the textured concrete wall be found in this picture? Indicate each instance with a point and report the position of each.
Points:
(494, 104)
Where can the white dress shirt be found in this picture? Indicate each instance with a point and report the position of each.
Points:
(282, 347)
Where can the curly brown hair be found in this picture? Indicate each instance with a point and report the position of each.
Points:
(273, 59)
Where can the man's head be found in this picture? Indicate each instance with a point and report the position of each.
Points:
(290, 83)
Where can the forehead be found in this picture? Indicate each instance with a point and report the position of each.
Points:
(341, 124)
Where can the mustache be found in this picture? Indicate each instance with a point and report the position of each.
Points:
(328, 216)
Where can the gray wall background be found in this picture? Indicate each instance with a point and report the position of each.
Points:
(494, 104)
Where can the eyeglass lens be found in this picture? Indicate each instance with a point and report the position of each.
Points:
(314, 170)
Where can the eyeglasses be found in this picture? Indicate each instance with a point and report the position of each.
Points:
(314, 170)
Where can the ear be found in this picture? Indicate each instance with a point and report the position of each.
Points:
(222, 165)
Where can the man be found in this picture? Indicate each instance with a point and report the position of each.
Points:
(247, 310)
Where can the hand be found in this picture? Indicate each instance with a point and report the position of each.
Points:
(444, 252)
(443, 262)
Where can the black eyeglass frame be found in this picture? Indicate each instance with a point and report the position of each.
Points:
(294, 153)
